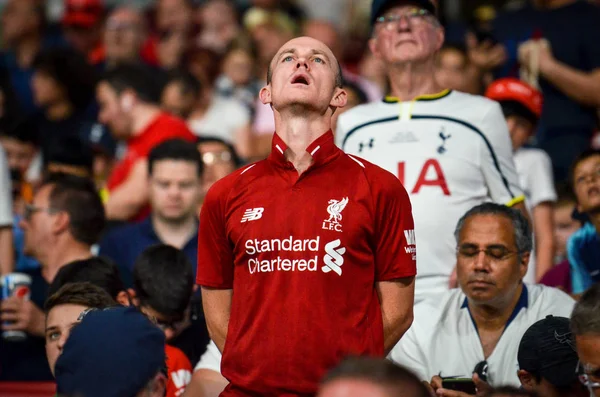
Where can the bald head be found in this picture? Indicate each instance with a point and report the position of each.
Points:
(318, 47)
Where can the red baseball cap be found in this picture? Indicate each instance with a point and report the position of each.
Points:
(84, 13)
(515, 90)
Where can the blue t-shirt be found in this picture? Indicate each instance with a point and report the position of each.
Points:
(26, 360)
(573, 32)
(124, 244)
(583, 251)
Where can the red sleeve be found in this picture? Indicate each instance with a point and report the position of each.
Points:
(215, 251)
(395, 255)
(179, 371)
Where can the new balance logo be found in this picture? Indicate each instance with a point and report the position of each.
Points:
(333, 257)
(252, 214)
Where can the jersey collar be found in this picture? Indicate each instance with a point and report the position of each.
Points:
(522, 303)
(421, 98)
(321, 149)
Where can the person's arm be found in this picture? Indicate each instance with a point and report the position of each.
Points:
(207, 380)
(206, 383)
(7, 257)
(215, 267)
(497, 163)
(126, 200)
(543, 226)
(217, 309)
(581, 86)
(409, 351)
(542, 195)
(396, 299)
(395, 255)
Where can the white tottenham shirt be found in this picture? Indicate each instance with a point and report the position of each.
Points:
(451, 151)
(534, 169)
(443, 339)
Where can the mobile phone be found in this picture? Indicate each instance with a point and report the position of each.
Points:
(465, 385)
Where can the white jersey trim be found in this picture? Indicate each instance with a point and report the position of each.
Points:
(359, 163)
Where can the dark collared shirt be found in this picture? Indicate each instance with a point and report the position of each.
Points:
(124, 244)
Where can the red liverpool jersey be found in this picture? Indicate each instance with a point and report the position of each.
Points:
(302, 254)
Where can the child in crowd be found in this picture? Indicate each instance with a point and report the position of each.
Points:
(454, 71)
(522, 107)
(238, 79)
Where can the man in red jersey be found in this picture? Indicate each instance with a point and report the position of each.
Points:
(127, 96)
(308, 256)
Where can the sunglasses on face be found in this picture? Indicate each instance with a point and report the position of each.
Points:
(414, 16)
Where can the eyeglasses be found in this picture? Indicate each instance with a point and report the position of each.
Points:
(416, 16)
(31, 209)
(495, 253)
(209, 158)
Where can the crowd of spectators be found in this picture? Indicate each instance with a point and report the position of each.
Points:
(116, 119)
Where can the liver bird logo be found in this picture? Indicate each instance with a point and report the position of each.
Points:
(335, 209)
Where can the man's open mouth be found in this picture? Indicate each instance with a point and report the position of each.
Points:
(300, 80)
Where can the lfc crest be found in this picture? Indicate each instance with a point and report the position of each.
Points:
(335, 209)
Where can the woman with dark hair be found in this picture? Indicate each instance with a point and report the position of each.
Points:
(63, 87)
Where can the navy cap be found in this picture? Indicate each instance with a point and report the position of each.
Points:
(547, 350)
(378, 7)
(111, 352)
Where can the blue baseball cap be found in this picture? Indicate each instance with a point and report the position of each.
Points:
(111, 352)
(378, 7)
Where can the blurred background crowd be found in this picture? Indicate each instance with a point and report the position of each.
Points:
(122, 114)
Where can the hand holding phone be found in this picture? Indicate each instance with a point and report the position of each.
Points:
(465, 385)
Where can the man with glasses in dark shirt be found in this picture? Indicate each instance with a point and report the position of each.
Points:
(64, 220)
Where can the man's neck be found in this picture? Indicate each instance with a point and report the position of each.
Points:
(143, 116)
(298, 131)
(176, 234)
(411, 80)
(493, 317)
(59, 111)
(61, 254)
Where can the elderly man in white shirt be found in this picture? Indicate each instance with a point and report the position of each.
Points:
(485, 319)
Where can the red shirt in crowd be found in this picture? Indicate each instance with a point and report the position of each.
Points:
(179, 371)
(302, 254)
(164, 127)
